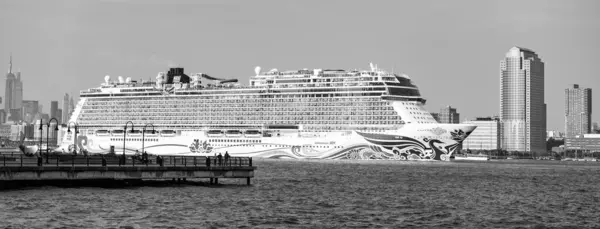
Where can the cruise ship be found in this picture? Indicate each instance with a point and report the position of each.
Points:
(303, 114)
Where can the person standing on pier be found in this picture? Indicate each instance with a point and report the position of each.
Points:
(226, 158)
(220, 159)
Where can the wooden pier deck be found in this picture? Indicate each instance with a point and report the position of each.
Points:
(20, 168)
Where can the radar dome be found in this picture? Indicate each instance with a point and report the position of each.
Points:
(121, 79)
(257, 70)
(106, 79)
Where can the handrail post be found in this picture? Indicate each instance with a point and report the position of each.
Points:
(4, 160)
(21, 160)
(88, 161)
(73, 161)
(133, 161)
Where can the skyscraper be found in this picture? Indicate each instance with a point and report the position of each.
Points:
(30, 109)
(54, 109)
(65, 108)
(13, 95)
(578, 111)
(522, 107)
(448, 115)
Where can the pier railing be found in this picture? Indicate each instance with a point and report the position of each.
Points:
(20, 160)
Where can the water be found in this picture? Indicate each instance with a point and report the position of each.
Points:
(332, 194)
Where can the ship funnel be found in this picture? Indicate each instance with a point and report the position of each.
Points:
(107, 79)
(128, 80)
(121, 79)
(372, 67)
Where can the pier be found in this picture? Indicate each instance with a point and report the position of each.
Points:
(20, 168)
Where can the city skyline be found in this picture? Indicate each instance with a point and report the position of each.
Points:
(82, 44)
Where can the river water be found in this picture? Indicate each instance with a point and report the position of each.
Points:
(332, 194)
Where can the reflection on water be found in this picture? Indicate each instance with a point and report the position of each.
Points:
(291, 193)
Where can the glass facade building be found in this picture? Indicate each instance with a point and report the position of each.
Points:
(485, 137)
(522, 106)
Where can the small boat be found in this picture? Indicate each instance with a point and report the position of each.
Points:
(214, 133)
(233, 133)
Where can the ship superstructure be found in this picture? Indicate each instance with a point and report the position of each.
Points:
(318, 113)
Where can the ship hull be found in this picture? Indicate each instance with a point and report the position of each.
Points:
(408, 143)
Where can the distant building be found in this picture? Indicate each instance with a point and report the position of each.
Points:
(65, 108)
(30, 109)
(448, 115)
(590, 142)
(522, 106)
(485, 137)
(71, 108)
(578, 111)
(59, 115)
(554, 134)
(54, 109)
(436, 116)
(13, 94)
(46, 134)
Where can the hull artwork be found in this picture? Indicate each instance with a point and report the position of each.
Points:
(356, 145)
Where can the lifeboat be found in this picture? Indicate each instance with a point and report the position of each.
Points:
(150, 133)
(214, 133)
(252, 133)
(167, 133)
(233, 133)
(135, 133)
(102, 133)
(118, 133)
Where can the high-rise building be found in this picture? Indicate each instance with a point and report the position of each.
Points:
(54, 109)
(30, 109)
(485, 137)
(65, 108)
(578, 111)
(13, 94)
(448, 115)
(71, 107)
(522, 107)
(59, 114)
(595, 128)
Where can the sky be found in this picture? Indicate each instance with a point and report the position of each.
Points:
(451, 49)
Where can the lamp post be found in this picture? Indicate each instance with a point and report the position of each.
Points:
(125, 135)
(41, 136)
(75, 134)
(144, 132)
(48, 136)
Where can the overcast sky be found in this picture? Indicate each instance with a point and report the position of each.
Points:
(452, 49)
